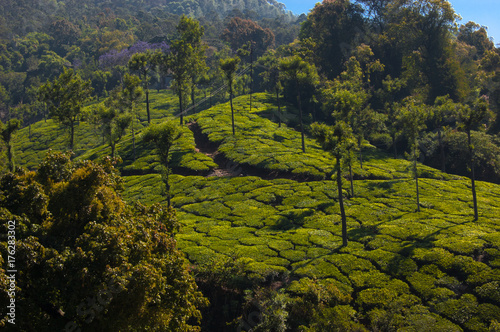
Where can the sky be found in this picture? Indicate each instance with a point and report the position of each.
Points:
(483, 12)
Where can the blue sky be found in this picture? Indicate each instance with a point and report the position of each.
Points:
(483, 12)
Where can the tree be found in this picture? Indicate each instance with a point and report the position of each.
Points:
(114, 121)
(475, 35)
(411, 117)
(186, 57)
(350, 94)
(337, 140)
(90, 261)
(143, 63)
(332, 27)
(229, 66)
(420, 34)
(99, 82)
(470, 117)
(240, 31)
(6, 133)
(131, 93)
(300, 73)
(272, 78)
(65, 97)
(440, 113)
(163, 136)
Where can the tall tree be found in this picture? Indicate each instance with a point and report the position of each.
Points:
(240, 32)
(332, 27)
(6, 133)
(114, 120)
(300, 73)
(143, 63)
(272, 78)
(130, 95)
(186, 57)
(65, 97)
(411, 117)
(440, 114)
(470, 117)
(229, 66)
(337, 140)
(350, 94)
(163, 136)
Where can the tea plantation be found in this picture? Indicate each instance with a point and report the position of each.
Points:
(278, 221)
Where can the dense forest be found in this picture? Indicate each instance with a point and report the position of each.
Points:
(209, 165)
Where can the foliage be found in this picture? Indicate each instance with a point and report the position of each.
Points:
(6, 134)
(65, 97)
(84, 244)
(163, 136)
(240, 31)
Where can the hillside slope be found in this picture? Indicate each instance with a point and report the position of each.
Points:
(270, 215)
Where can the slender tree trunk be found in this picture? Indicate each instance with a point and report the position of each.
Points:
(113, 145)
(341, 203)
(180, 105)
(441, 146)
(415, 171)
(147, 105)
(72, 135)
(395, 146)
(473, 175)
(193, 101)
(231, 102)
(167, 185)
(351, 178)
(279, 107)
(360, 139)
(133, 132)
(251, 76)
(10, 156)
(300, 116)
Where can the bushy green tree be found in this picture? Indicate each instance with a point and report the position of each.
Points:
(300, 73)
(186, 57)
(114, 121)
(332, 27)
(440, 114)
(272, 78)
(411, 117)
(89, 261)
(65, 96)
(163, 136)
(130, 95)
(470, 117)
(143, 63)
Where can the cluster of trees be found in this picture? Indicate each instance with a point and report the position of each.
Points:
(86, 259)
(38, 39)
(395, 72)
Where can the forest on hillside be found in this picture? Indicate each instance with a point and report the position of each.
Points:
(208, 165)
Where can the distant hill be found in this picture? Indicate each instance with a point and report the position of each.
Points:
(23, 16)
